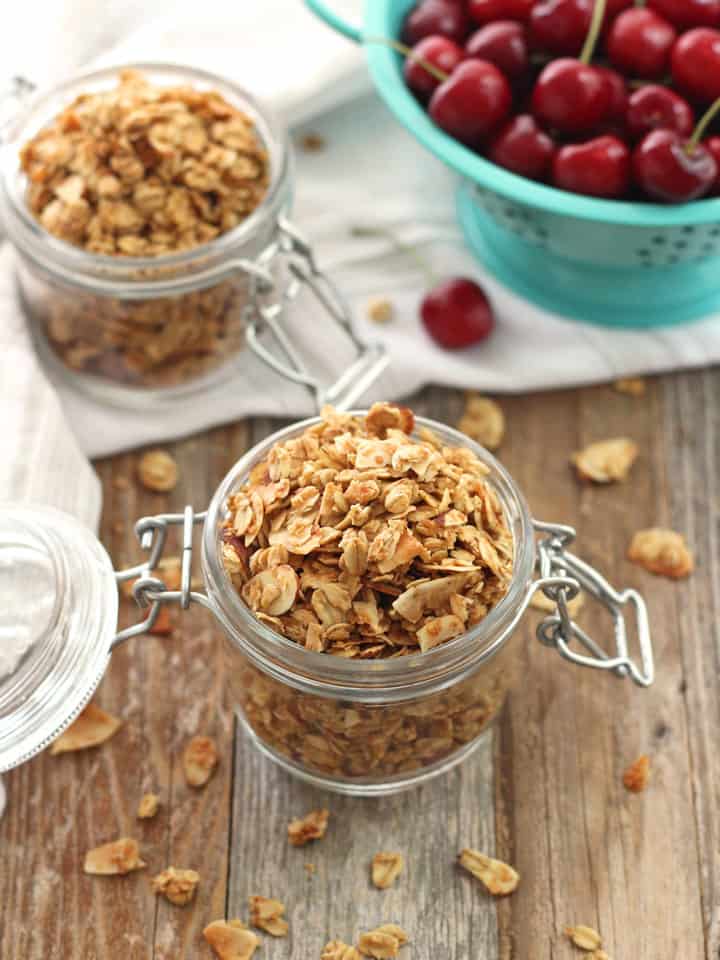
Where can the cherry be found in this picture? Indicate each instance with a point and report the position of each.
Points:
(523, 147)
(472, 102)
(431, 17)
(713, 145)
(600, 167)
(487, 11)
(671, 168)
(571, 96)
(639, 42)
(560, 26)
(688, 13)
(695, 63)
(441, 53)
(457, 313)
(503, 43)
(618, 92)
(654, 106)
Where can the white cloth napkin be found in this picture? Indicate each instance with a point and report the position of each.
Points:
(371, 174)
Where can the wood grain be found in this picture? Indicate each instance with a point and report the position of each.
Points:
(641, 868)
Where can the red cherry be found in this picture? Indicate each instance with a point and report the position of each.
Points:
(653, 107)
(523, 147)
(560, 26)
(712, 144)
(438, 51)
(667, 170)
(503, 43)
(571, 96)
(431, 17)
(457, 313)
(688, 13)
(695, 63)
(472, 102)
(487, 11)
(599, 168)
(618, 92)
(640, 41)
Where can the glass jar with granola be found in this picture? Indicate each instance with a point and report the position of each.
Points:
(147, 208)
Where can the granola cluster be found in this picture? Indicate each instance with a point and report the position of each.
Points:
(359, 540)
(143, 171)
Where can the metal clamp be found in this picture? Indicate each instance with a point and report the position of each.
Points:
(150, 591)
(268, 303)
(562, 576)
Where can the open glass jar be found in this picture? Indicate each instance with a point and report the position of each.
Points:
(133, 330)
(362, 727)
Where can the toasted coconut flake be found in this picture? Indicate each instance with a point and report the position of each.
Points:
(93, 727)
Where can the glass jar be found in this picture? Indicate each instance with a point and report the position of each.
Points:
(136, 330)
(364, 727)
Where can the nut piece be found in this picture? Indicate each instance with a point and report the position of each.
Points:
(541, 602)
(148, 806)
(482, 420)
(310, 827)
(267, 914)
(605, 461)
(634, 386)
(386, 869)
(499, 878)
(584, 937)
(383, 942)
(661, 551)
(119, 857)
(380, 310)
(337, 950)
(231, 939)
(177, 886)
(637, 775)
(200, 758)
(92, 727)
(157, 471)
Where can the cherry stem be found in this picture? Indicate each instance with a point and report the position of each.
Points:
(408, 52)
(591, 39)
(407, 249)
(702, 126)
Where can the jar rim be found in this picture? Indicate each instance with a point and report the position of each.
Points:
(69, 260)
(402, 677)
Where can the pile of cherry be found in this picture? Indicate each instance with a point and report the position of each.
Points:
(600, 97)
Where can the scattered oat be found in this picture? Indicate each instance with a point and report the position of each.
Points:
(499, 878)
(637, 775)
(267, 915)
(605, 461)
(231, 939)
(380, 310)
(584, 937)
(200, 758)
(382, 943)
(177, 886)
(119, 857)
(386, 868)
(541, 602)
(634, 386)
(148, 806)
(661, 551)
(337, 950)
(158, 471)
(310, 827)
(482, 420)
(92, 727)
(312, 142)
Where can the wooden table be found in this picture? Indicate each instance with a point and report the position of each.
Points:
(547, 796)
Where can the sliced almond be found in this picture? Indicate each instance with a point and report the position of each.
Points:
(499, 878)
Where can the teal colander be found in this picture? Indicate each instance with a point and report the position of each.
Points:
(619, 264)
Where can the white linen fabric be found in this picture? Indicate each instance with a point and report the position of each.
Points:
(371, 174)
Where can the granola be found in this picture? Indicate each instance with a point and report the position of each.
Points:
(585, 938)
(115, 858)
(200, 758)
(499, 878)
(661, 551)
(310, 827)
(231, 939)
(637, 775)
(157, 471)
(177, 886)
(383, 942)
(605, 461)
(148, 806)
(337, 950)
(93, 727)
(482, 420)
(143, 170)
(267, 914)
(386, 868)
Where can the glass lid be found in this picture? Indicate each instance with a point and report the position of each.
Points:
(58, 615)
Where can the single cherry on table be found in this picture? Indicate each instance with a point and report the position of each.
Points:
(457, 313)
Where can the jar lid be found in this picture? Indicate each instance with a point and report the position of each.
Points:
(58, 615)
